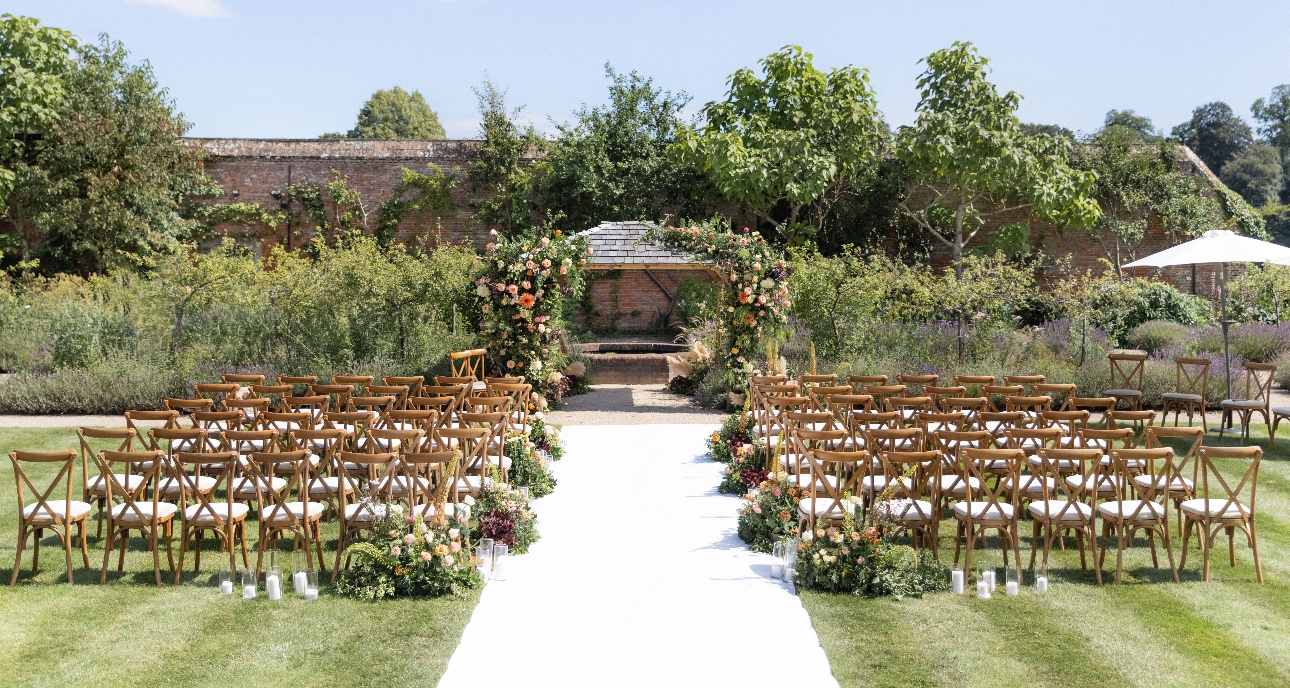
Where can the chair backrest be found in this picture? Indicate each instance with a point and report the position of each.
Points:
(1118, 418)
(327, 444)
(842, 405)
(178, 439)
(1152, 436)
(1104, 440)
(189, 405)
(895, 439)
(261, 468)
(414, 383)
(1192, 376)
(218, 465)
(933, 423)
(819, 394)
(297, 380)
(1033, 405)
(1032, 439)
(246, 379)
(380, 406)
(170, 419)
(908, 404)
(1258, 382)
(817, 380)
(926, 466)
(44, 499)
(434, 466)
(251, 409)
(284, 423)
(862, 421)
(978, 466)
(1057, 392)
(1125, 465)
(375, 471)
(1217, 488)
(273, 393)
(468, 363)
(217, 392)
(315, 405)
(356, 382)
(1024, 380)
(1094, 405)
(809, 420)
(834, 476)
(915, 385)
(1059, 463)
(149, 468)
(881, 393)
(246, 442)
(445, 407)
(520, 393)
(216, 422)
(1070, 422)
(859, 382)
(938, 394)
(1127, 368)
(999, 422)
(998, 394)
(88, 454)
(337, 395)
(972, 407)
(399, 392)
(425, 420)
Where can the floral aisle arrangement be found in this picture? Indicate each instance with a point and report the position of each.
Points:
(755, 300)
(867, 561)
(746, 469)
(518, 299)
(503, 514)
(404, 556)
(733, 434)
(530, 466)
(545, 437)
(769, 512)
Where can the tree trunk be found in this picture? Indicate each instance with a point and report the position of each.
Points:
(958, 239)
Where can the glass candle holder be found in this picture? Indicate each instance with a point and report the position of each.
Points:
(984, 574)
(273, 583)
(271, 559)
(777, 564)
(501, 561)
(311, 585)
(1011, 586)
(1041, 579)
(250, 582)
(299, 572)
(956, 581)
(225, 581)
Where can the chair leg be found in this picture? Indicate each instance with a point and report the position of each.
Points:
(156, 555)
(67, 548)
(1254, 545)
(183, 550)
(1186, 535)
(85, 546)
(1169, 550)
(1231, 545)
(1119, 552)
(35, 550)
(318, 546)
(1151, 542)
(107, 553)
(170, 534)
(1034, 541)
(1088, 533)
(125, 544)
(1206, 543)
(1079, 541)
(242, 531)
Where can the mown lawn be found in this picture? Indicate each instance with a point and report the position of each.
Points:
(129, 631)
(1148, 631)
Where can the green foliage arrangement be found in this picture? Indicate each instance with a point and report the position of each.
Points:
(546, 437)
(866, 561)
(769, 512)
(502, 513)
(529, 468)
(395, 114)
(733, 434)
(518, 300)
(754, 305)
(405, 557)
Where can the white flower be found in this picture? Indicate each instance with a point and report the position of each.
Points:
(807, 536)
(396, 508)
(454, 533)
(537, 364)
(481, 291)
(447, 560)
(537, 416)
(470, 501)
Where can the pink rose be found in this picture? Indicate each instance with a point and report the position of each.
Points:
(454, 547)
(395, 551)
(775, 492)
(409, 538)
(409, 520)
(756, 509)
(546, 262)
(425, 555)
(564, 270)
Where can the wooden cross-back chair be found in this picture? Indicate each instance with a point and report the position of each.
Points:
(363, 513)
(472, 443)
(245, 443)
(774, 406)
(444, 407)
(176, 442)
(1137, 421)
(1030, 441)
(425, 420)
(909, 408)
(1127, 369)
(1025, 381)
(294, 381)
(151, 517)
(272, 393)
(251, 410)
(881, 393)
(337, 395)
(414, 383)
(1063, 508)
(842, 405)
(217, 392)
(1030, 406)
(757, 381)
(244, 379)
(997, 395)
(1181, 486)
(400, 393)
(819, 394)
(1102, 441)
(494, 444)
(880, 438)
(760, 401)
(952, 443)
(189, 406)
(378, 407)
(1134, 506)
(911, 506)
(972, 407)
(134, 421)
(315, 405)
(519, 394)
(987, 507)
(860, 422)
(1069, 422)
(998, 423)
(1057, 392)
(1221, 506)
(1099, 409)
(1259, 378)
(796, 443)
(424, 472)
(938, 394)
(859, 382)
(325, 484)
(278, 513)
(284, 424)
(833, 475)
(215, 423)
(94, 490)
(1191, 389)
(933, 423)
(226, 518)
(46, 511)
(356, 383)
(916, 385)
(468, 363)
(804, 381)
(976, 381)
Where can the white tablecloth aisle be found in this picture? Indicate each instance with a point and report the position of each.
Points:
(639, 580)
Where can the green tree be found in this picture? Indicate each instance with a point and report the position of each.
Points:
(1256, 174)
(1054, 130)
(784, 146)
(500, 168)
(1215, 133)
(1273, 116)
(109, 185)
(33, 62)
(613, 164)
(395, 114)
(966, 157)
(1130, 121)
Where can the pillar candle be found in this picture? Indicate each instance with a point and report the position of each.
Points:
(1041, 584)
(300, 581)
(1013, 588)
(273, 588)
(983, 590)
(248, 592)
(957, 578)
(776, 570)
(226, 587)
(311, 594)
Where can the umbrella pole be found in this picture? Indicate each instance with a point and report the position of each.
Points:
(1225, 417)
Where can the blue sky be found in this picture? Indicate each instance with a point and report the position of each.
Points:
(291, 68)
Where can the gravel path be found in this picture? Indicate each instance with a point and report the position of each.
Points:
(632, 405)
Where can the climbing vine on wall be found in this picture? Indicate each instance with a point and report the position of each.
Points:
(755, 276)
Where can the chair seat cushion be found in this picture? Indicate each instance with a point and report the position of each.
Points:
(401, 484)
(363, 512)
(1060, 464)
(1179, 396)
(1213, 508)
(98, 485)
(907, 510)
(124, 513)
(202, 516)
(286, 512)
(1281, 410)
(1106, 483)
(954, 485)
(1122, 393)
(1031, 485)
(987, 512)
(1178, 485)
(824, 508)
(205, 484)
(245, 487)
(59, 508)
(1243, 403)
(1132, 509)
(1053, 509)
(331, 485)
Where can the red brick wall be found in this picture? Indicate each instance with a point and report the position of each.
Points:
(629, 300)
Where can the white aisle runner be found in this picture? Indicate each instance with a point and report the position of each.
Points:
(639, 580)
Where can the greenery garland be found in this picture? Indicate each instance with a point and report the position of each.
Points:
(754, 275)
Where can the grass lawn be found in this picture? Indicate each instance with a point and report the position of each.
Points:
(1148, 631)
(129, 631)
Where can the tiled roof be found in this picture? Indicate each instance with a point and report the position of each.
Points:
(614, 243)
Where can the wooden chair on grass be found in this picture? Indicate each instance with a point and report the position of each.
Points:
(136, 420)
(1258, 399)
(315, 405)
(1191, 388)
(1063, 393)
(414, 383)
(294, 381)
(916, 385)
(363, 513)
(998, 395)
(399, 393)
(939, 394)
(987, 507)
(952, 444)
(1127, 369)
(337, 395)
(1099, 409)
(278, 514)
(1062, 508)
(172, 443)
(1135, 506)
(473, 445)
(423, 474)
(974, 381)
(273, 394)
(45, 510)
(217, 392)
(356, 383)
(1181, 487)
(795, 461)
(246, 487)
(1025, 381)
(859, 382)
(1222, 506)
(151, 517)
(834, 475)
(202, 512)
(95, 489)
(905, 501)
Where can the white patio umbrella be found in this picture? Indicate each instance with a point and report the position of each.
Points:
(1218, 246)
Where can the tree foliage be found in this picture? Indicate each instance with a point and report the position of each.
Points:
(1256, 174)
(1131, 122)
(33, 62)
(613, 163)
(1215, 133)
(784, 145)
(1273, 116)
(499, 170)
(395, 114)
(966, 157)
(108, 185)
